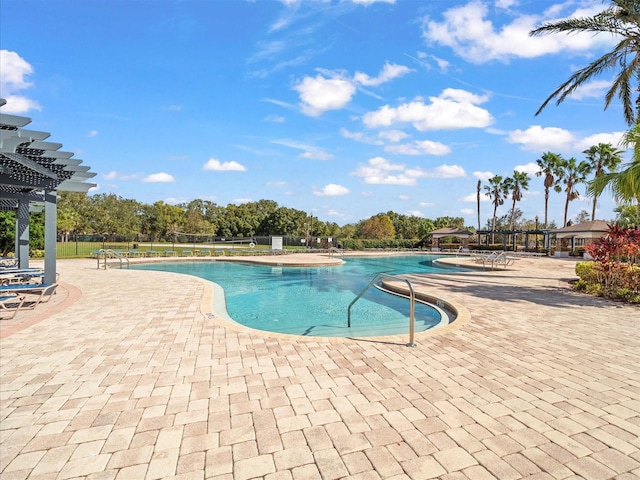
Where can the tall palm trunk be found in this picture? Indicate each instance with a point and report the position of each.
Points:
(546, 206)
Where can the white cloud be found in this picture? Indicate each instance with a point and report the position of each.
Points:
(452, 109)
(319, 94)
(530, 168)
(483, 175)
(113, 175)
(415, 213)
(371, 2)
(539, 139)
(614, 138)
(419, 147)
(360, 137)
(19, 104)
(468, 32)
(388, 73)
(161, 177)
(316, 155)
(332, 190)
(393, 135)
(172, 108)
(473, 198)
(274, 119)
(427, 204)
(594, 89)
(92, 133)
(554, 139)
(218, 166)
(240, 201)
(13, 72)
(446, 171)
(380, 171)
(467, 211)
(309, 152)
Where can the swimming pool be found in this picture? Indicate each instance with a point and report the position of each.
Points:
(313, 301)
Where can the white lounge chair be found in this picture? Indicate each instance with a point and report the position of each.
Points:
(11, 303)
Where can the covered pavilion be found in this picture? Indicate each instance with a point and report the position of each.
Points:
(578, 234)
(440, 233)
(32, 171)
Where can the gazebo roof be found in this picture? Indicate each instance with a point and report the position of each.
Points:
(592, 229)
(451, 232)
(31, 166)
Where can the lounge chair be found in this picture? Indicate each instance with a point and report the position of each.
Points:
(205, 252)
(11, 303)
(39, 290)
(187, 253)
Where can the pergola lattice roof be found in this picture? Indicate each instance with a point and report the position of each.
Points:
(31, 166)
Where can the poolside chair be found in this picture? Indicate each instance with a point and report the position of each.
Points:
(41, 291)
(11, 303)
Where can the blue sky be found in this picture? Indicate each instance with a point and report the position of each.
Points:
(341, 108)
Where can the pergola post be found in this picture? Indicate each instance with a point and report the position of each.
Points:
(22, 233)
(50, 236)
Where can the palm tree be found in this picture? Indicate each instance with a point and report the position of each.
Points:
(497, 192)
(549, 165)
(573, 173)
(515, 185)
(478, 198)
(602, 157)
(621, 20)
(625, 184)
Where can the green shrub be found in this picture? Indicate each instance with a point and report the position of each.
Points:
(587, 271)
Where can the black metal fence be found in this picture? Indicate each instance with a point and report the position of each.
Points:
(73, 246)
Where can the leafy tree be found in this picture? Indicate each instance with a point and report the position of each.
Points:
(573, 173)
(515, 185)
(626, 215)
(625, 184)
(582, 217)
(621, 20)
(550, 167)
(74, 213)
(425, 227)
(379, 227)
(7, 232)
(455, 222)
(602, 157)
(496, 191)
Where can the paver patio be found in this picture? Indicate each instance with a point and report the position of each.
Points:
(130, 375)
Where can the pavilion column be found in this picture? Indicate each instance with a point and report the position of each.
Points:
(50, 236)
(22, 233)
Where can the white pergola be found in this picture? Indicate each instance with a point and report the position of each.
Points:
(32, 171)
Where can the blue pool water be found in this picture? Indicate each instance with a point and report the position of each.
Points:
(314, 300)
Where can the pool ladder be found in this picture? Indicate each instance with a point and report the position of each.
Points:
(107, 253)
(412, 302)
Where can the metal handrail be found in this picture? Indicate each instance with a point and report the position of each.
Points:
(412, 301)
(111, 254)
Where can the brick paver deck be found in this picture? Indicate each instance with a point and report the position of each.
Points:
(128, 375)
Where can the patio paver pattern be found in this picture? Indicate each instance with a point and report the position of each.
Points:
(133, 378)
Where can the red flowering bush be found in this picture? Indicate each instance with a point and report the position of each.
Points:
(614, 271)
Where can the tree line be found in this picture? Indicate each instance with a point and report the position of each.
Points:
(560, 175)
